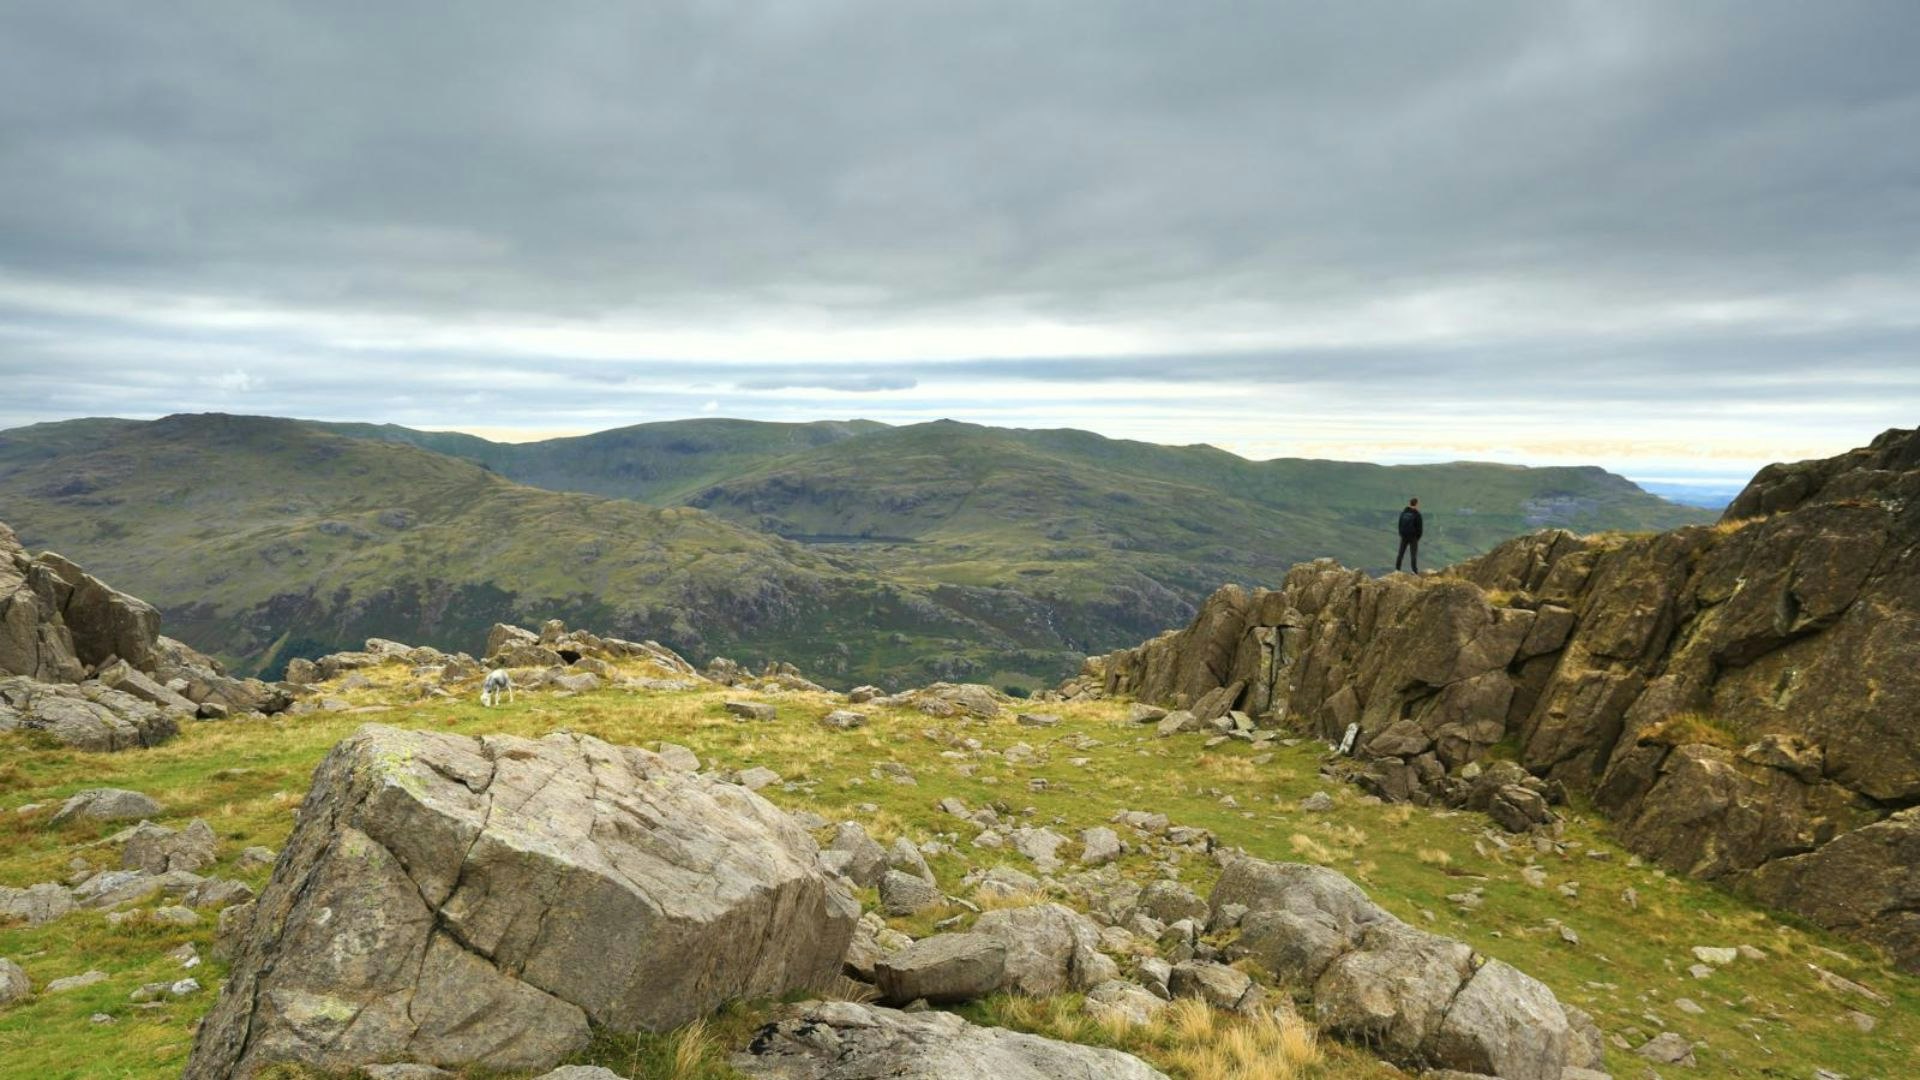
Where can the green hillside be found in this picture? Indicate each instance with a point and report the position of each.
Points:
(265, 539)
(860, 551)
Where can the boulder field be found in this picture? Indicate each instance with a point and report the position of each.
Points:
(1740, 698)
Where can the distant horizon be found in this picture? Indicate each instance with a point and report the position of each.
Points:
(1710, 488)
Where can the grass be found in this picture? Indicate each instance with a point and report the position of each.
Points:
(1689, 728)
(1763, 1018)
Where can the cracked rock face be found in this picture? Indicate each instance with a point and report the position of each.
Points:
(458, 901)
(838, 1040)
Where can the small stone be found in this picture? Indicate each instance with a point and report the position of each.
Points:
(906, 894)
(108, 804)
(1701, 971)
(1317, 803)
(99, 1018)
(1099, 846)
(758, 777)
(14, 983)
(844, 720)
(1689, 1006)
(76, 982)
(1037, 720)
(1861, 1020)
(1718, 957)
(679, 758)
(1668, 1048)
(752, 710)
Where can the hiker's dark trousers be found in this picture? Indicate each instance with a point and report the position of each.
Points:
(1409, 545)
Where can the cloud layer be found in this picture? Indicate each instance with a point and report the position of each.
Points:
(1648, 234)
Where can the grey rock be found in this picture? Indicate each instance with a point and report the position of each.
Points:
(36, 905)
(1216, 984)
(1099, 846)
(1299, 918)
(1506, 1024)
(757, 777)
(157, 849)
(479, 901)
(1393, 989)
(107, 804)
(76, 982)
(906, 894)
(847, 1041)
(675, 756)
(866, 859)
(1171, 901)
(1049, 949)
(14, 983)
(90, 716)
(1037, 720)
(903, 855)
(844, 719)
(1157, 976)
(1668, 1048)
(1178, 722)
(752, 710)
(1124, 1002)
(580, 1072)
(942, 968)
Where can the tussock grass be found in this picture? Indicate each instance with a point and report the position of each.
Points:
(1689, 729)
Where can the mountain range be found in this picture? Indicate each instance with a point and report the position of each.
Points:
(861, 551)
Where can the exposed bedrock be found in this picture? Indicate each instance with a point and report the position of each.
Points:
(1740, 698)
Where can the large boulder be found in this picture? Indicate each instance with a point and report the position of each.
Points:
(477, 902)
(1041, 950)
(841, 1040)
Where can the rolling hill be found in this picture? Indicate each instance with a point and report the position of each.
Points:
(860, 551)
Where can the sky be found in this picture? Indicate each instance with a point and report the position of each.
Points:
(1676, 240)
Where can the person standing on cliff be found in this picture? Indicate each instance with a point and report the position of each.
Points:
(1411, 525)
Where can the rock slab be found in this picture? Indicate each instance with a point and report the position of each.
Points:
(841, 1040)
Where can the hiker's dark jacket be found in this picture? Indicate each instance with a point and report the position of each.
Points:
(1410, 524)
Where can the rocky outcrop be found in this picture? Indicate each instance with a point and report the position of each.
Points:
(478, 902)
(57, 622)
(1415, 997)
(841, 1040)
(512, 646)
(87, 664)
(1739, 698)
(88, 716)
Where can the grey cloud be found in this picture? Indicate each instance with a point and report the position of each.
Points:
(799, 377)
(878, 163)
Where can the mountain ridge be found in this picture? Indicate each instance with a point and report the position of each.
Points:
(940, 550)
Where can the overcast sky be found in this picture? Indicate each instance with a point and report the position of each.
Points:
(1677, 239)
